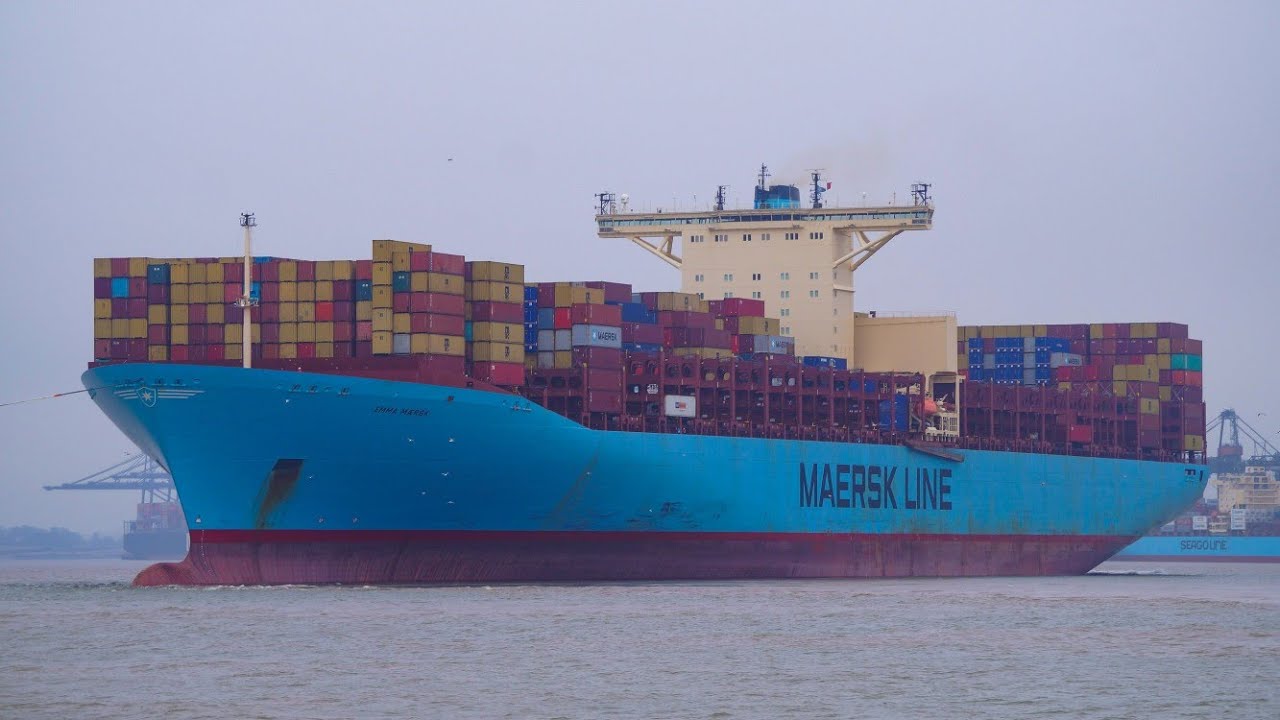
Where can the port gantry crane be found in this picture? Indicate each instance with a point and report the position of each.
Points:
(139, 472)
(1231, 458)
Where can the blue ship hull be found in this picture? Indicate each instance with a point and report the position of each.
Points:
(1200, 548)
(290, 477)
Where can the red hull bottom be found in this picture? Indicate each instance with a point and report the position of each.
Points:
(461, 557)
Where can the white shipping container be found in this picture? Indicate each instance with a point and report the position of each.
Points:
(547, 339)
(1238, 521)
(685, 406)
(776, 344)
(605, 336)
(1061, 359)
(564, 340)
(1199, 522)
(400, 344)
(546, 360)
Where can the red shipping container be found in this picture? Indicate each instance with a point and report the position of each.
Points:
(1166, 377)
(438, 303)
(605, 401)
(1080, 347)
(214, 334)
(158, 294)
(231, 292)
(343, 350)
(1080, 433)
(197, 314)
(613, 292)
(343, 290)
(741, 344)
(138, 287)
(686, 318)
(364, 331)
(234, 272)
(196, 353)
(364, 270)
(563, 319)
(101, 349)
(270, 351)
(119, 307)
(445, 263)
(267, 272)
(265, 313)
(1194, 347)
(603, 379)
(402, 302)
(1064, 373)
(499, 373)
(269, 292)
(324, 312)
(196, 334)
(118, 350)
(497, 312)
(306, 350)
(420, 261)
(598, 357)
(585, 314)
(306, 273)
(641, 333)
(437, 324)
(270, 333)
(158, 334)
(716, 307)
(120, 267)
(1194, 378)
(343, 331)
(136, 308)
(344, 310)
(215, 353)
(742, 307)
(101, 288)
(179, 353)
(546, 295)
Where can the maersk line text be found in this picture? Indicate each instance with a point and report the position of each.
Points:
(874, 487)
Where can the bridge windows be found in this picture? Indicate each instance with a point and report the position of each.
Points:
(728, 277)
(699, 277)
(784, 312)
(813, 276)
(722, 237)
(755, 276)
(784, 276)
(793, 236)
(813, 293)
(764, 237)
(746, 237)
(815, 236)
(755, 294)
(697, 238)
(786, 294)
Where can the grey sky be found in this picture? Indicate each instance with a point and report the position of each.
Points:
(1092, 162)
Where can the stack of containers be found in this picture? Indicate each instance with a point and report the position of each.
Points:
(305, 308)
(120, 309)
(425, 317)
(495, 328)
(1152, 371)
(531, 325)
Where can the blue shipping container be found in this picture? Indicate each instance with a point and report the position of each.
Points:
(364, 290)
(158, 274)
(120, 287)
(400, 282)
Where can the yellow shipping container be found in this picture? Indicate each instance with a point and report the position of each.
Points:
(215, 313)
(324, 349)
(215, 273)
(343, 270)
(157, 353)
(504, 292)
(1064, 386)
(1041, 331)
(288, 312)
(102, 329)
(382, 342)
(400, 260)
(773, 326)
(756, 326)
(288, 332)
(288, 291)
(419, 343)
(400, 323)
(563, 359)
(179, 294)
(306, 332)
(490, 271)
(232, 351)
(497, 332)
(178, 335)
(497, 352)
(666, 300)
(1120, 388)
(1194, 443)
(102, 267)
(1166, 393)
(447, 345)
(196, 294)
(306, 312)
(1096, 332)
(179, 273)
(1120, 372)
(179, 314)
(159, 315)
(382, 320)
(306, 291)
(196, 273)
(1162, 346)
(382, 273)
(381, 296)
(1163, 362)
(324, 290)
(324, 271)
(324, 332)
(288, 271)
(233, 333)
(1145, 373)
(102, 308)
(364, 310)
(1149, 406)
(418, 281)
(288, 350)
(138, 266)
(447, 284)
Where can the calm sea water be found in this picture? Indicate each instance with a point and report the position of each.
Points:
(1129, 641)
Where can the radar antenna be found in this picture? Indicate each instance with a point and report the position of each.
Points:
(920, 193)
(606, 204)
(764, 176)
(720, 197)
(815, 193)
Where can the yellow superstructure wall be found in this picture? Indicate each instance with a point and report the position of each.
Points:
(925, 344)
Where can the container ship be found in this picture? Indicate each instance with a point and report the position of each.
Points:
(1238, 520)
(419, 418)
